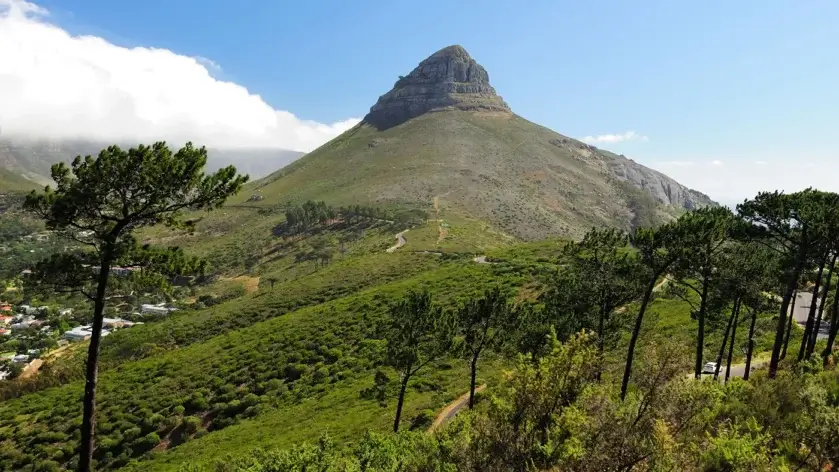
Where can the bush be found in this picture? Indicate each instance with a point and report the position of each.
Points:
(320, 375)
(423, 420)
(47, 466)
(191, 424)
(147, 442)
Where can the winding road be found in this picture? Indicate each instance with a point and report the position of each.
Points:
(400, 241)
(801, 310)
(449, 412)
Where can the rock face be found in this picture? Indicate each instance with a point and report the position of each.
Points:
(448, 79)
(662, 188)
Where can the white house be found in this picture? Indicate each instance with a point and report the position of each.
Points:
(113, 322)
(27, 322)
(79, 333)
(20, 358)
(148, 309)
(82, 333)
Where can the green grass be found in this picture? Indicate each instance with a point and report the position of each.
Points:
(278, 366)
(520, 178)
(14, 182)
(339, 412)
(308, 352)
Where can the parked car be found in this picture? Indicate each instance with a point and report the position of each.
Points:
(709, 368)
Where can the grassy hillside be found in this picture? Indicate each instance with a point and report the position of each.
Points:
(522, 178)
(277, 366)
(230, 376)
(14, 182)
(242, 236)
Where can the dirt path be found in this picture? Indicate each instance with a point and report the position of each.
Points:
(657, 288)
(36, 365)
(251, 284)
(400, 241)
(441, 231)
(31, 369)
(452, 409)
(662, 283)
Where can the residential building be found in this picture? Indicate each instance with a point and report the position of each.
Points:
(160, 309)
(113, 322)
(27, 322)
(20, 358)
(82, 333)
(31, 310)
(79, 333)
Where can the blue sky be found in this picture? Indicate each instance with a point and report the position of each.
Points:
(716, 87)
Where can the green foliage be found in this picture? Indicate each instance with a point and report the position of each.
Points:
(100, 203)
(598, 276)
(325, 350)
(419, 333)
(300, 218)
(554, 415)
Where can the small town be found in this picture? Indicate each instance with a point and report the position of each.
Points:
(29, 334)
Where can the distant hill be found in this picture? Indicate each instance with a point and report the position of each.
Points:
(35, 156)
(442, 136)
(15, 182)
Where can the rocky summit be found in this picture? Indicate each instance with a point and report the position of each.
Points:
(448, 79)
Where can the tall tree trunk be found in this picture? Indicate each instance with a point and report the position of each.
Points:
(400, 402)
(792, 281)
(834, 325)
(751, 345)
(731, 343)
(725, 339)
(474, 373)
(601, 343)
(700, 334)
(814, 336)
(627, 370)
(92, 366)
(789, 323)
(811, 315)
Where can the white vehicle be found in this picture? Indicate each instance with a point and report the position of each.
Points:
(709, 368)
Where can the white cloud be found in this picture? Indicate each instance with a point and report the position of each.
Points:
(761, 163)
(614, 138)
(55, 85)
(716, 163)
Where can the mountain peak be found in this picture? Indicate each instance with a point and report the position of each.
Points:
(455, 50)
(449, 79)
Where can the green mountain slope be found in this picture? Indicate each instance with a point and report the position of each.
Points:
(443, 133)
(14, 182)
(257, 372)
